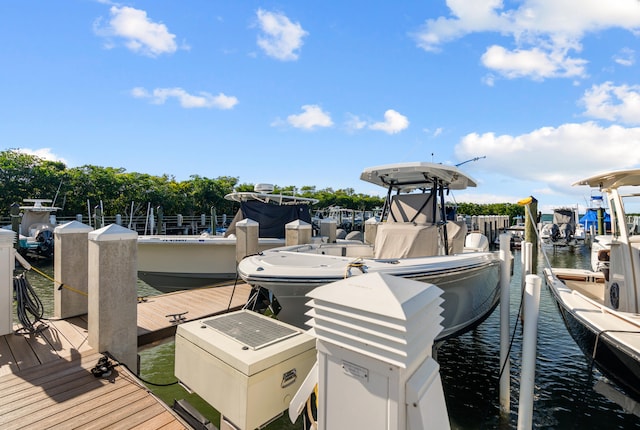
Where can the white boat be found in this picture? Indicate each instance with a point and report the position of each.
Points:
(601, 308)
(562, 230)
(416, 241)
(177, 262)
(36, 229)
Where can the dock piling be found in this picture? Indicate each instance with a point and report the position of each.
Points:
(528, 369)
(505, 366)
(70, 262)
(112, 301)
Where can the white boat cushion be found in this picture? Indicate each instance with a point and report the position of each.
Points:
(406, 240)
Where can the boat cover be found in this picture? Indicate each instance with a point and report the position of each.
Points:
(405, 240)
(563, 216)
(416, 208)
(591, 219)
(271, 218)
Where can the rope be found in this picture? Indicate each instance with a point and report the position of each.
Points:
(104, 367)
(357, 264)
(29, 307)
(24, 263)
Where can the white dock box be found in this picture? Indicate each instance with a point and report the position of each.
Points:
(247, 366)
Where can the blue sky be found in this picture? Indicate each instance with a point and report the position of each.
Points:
(311, 93)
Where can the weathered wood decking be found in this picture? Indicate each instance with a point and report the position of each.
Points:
(46, 379)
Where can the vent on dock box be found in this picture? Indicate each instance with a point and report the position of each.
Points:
(251, 329)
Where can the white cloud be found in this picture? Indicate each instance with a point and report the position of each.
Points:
(354, 122)
(555, 156)
(186, 100)
(613, 103)
(44, 153)
(281, 39)
(312, 117)
(535, 63)
(543, 32)
(393, 123)
(626, 57)
(140, 33)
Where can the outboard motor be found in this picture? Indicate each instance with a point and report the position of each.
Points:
(45, 243)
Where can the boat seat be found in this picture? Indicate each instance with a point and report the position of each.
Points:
(405, 240)
(456, 235)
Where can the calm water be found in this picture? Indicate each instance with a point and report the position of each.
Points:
(469, 364)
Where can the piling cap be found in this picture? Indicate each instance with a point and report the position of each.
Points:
(72, 227)
(112, 232)
(7, 236)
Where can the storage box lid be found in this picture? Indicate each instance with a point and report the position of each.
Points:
(247, 341)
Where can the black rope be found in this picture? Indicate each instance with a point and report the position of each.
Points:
(513, 336)
(104, 368)
(29, 307)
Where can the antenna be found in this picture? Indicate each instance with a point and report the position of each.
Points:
(468, 161)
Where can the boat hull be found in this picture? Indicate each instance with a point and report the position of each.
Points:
(470, 282)
(172, 263)
(611, 337)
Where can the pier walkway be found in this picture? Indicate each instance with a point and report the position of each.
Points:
(46, 379)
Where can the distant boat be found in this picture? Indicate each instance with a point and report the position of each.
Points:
(177, 262)
(36, 229)
(562, 230)
(415, 241)
(600, 308)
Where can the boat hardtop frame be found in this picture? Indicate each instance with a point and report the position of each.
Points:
(406, 177)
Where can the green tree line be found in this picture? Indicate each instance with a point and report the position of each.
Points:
(76, 189)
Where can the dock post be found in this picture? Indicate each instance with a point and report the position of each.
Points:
(530, 229)
(297, 232)
(328, 229)
(14, 211)
(525, 259)
(70, 265)
(160, 213)
(112, 313)
(530, 335)
(505, 366)
(7, 263)
(247, 232)
(370, 230)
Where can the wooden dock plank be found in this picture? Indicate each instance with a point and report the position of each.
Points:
(81, 416)
(42, 349)
(137, 413)
(39, 376)
(25, 357)
(7, 360)
(65, 337)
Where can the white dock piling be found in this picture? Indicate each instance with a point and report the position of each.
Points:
(247, 232)
(297, 232)
(505, 366)
(528, 371)
(112, 301)
(70, 265)
(526, 268)
(7, 263)
(328, 229)
(370, 230)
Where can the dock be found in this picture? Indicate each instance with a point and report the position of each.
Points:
(46, 379)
